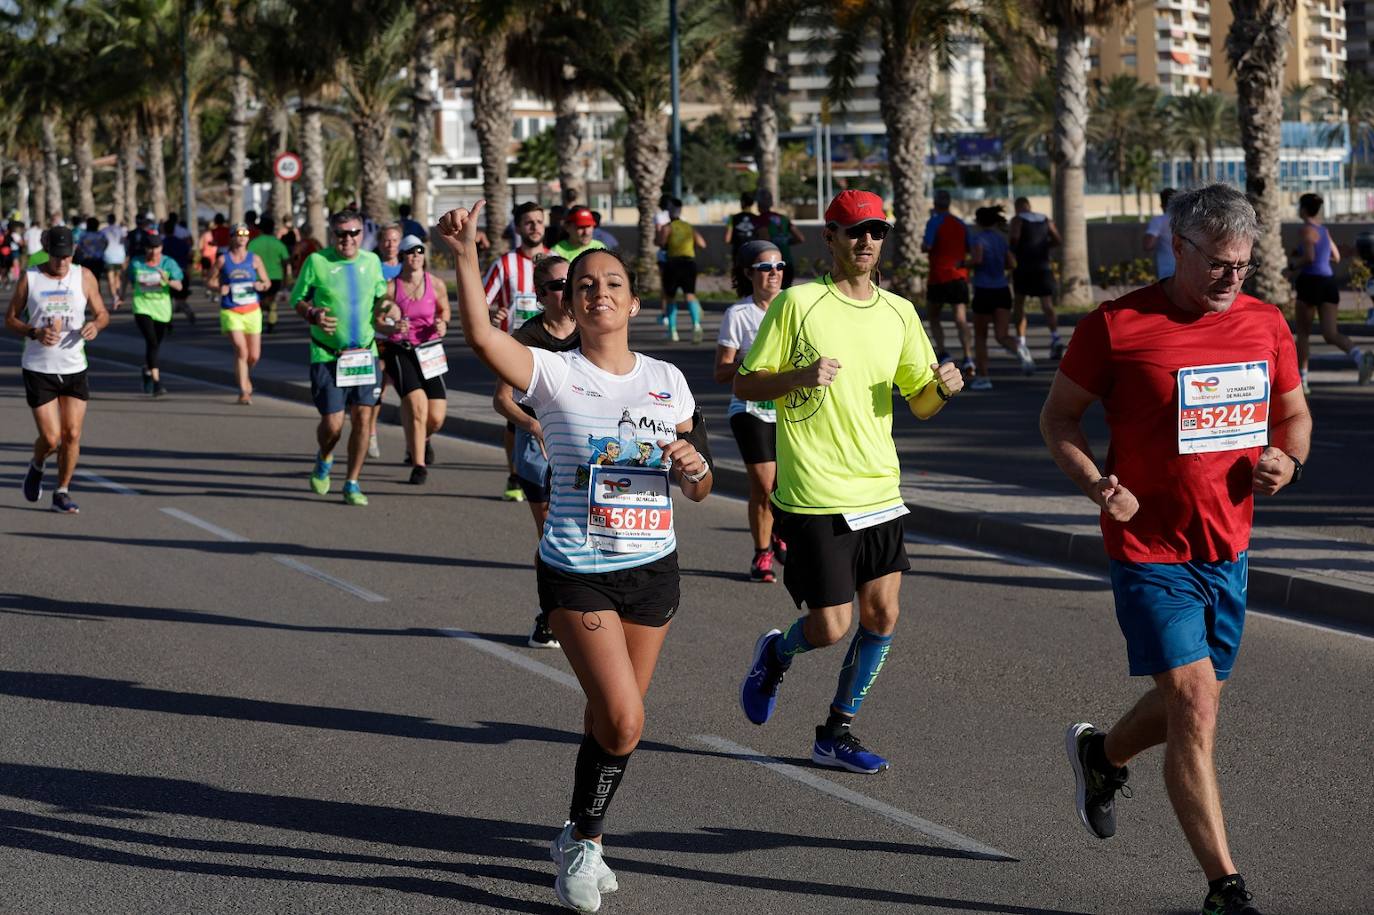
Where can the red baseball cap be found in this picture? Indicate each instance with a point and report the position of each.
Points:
(849, 208)
(581, 217)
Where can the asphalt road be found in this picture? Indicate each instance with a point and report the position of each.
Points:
(220, 693)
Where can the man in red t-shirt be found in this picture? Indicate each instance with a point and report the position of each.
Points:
(946, 242)
(1205, 406)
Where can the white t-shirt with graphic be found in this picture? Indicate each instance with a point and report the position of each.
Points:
(591, 416)
(738, 329)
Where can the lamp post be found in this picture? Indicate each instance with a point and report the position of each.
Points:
(677, 98)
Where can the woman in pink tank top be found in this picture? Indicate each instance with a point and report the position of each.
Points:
(414, 350)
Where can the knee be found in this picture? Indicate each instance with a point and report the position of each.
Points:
(621, 728)
(253, 359)
(1192, 709)
(71, 437)
(880, 620)
(827, 630)
(51, 440)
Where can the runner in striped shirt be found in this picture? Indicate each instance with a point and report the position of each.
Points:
(512, 300)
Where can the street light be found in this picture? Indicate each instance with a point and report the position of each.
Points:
(677, 99)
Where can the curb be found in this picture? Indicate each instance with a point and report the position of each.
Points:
(1305, 596)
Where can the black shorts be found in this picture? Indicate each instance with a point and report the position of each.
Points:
(40, 387)
(205, 265)
(1317, 290)
(679, 273)
(272, 289)
(826, 561)
(647, 594)
(403, 368)
(757, 439)
(536, 492)
(986, 301)
(1033, 282)
(955, 292)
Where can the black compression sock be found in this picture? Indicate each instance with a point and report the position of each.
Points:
(595, 781)
(835, 725)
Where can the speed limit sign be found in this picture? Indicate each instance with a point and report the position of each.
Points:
(287, 166)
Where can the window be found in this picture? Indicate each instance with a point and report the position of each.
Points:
(1128, 61)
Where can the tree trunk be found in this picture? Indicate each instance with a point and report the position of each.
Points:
(1257, 46)
(21, 186)
(1070, 151)
(904, 100)
(567, 141)
(765, 124)
(118, 203)
(52, 177)
(279, 126)
(128, 155)
(312, 171)
(493, 93)
(157, 166)
(370, 134)
(238, 139)
(83, 151)
(646, 159)
(421, 121)
(38, 209)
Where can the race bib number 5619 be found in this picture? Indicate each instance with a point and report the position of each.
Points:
(629, 509)
(1223, 407)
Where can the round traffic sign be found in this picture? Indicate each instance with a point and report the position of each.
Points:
(287, 166)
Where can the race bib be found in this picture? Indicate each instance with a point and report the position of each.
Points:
(765, 410)
(150, 279)
(857, 521)
(56, 303)
(629, 509)
(355, 368)
(1223, 407)
(243, 294)
(433, 362)
(526, 306)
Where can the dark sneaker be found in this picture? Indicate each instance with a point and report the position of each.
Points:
(1056, 349)
(429, 452)
(845, 752)
(541, 636)
(761, 569)
(1231, 899)
(33, 484)
(159, 390)
(147, 382)
(758, 694)
(61, 502)
(1096, 795)
(418, 476)
(779, 550)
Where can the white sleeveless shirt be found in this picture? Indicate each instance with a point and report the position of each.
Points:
(52, 299)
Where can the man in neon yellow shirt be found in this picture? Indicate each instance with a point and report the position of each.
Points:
(341, 294)
(581, 225)
(828, 353)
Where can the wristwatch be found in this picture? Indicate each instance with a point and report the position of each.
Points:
(698, 477)
(1297, 470)
(32, 334)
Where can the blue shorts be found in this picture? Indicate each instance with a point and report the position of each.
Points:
(330, 398)
(1175, 613)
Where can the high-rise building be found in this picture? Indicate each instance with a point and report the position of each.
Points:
(1360, 44)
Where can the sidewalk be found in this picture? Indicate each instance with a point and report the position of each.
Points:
(1291, 570)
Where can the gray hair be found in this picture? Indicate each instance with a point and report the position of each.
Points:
(1217, 213)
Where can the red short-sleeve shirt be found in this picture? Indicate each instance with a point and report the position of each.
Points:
(1129, 352)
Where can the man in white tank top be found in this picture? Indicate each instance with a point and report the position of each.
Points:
(48, 310)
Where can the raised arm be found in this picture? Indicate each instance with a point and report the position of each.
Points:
(511, 361)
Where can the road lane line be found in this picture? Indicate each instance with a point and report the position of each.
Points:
(107, 483)
(839, 792)
(561, 677)
(289, 562)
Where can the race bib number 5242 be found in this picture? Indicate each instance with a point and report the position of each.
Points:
(1223, 407)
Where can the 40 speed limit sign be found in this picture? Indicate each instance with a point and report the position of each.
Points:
(287, 166)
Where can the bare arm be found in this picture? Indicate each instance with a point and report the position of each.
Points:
(687, 460)
(701, 242)
(263, 284)
(511, 361)
(926, 402)
(796, 234)
(1055, 239)
(1290, 436)
(765, 385)
(1061, 426)
(504, 403)
(216, 271)
(100, 318)
(17, 302)
(442, 312)
(1309, 247)
(727, 364)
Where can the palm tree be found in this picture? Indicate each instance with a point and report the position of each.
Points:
(1353, 97)
(1204, 122)
(755, 73)
(421, 64)
(621, 46)
(1122, 117)
(537, 65)
(1141, 173)
(369, 76)
(1027, 122)
(1071, 19)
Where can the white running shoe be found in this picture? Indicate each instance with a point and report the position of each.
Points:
(373, 451)
(582, 874)
(1027, 362)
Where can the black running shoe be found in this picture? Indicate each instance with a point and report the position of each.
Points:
(541, 636)
(147, 382)
(1231, 899)
(63, 504)
(159, 390)
(33, 484)
(418, 476)
(1097, 790)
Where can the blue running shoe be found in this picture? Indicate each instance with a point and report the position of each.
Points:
(758, 694)
(33, 483)
(61, 502)
(845, 752)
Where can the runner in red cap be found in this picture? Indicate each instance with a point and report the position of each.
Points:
(581, 227)
(821, 351)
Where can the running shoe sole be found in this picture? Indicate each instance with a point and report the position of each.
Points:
(1080, 778)
(758, 654)
(72, 510)
(605, 882)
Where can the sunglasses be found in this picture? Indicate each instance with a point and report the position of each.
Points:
(413, 251)
(875, 230)
(348, 233)
(556, 285)
(243, 233)
(769, 266)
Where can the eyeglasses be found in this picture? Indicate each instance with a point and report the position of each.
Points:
(1217, 269)
(416, 250)
(348, 233)
(769, 266)
(556, 285)
(243, 233)
(874, 229)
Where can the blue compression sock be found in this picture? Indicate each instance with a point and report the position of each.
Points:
(791, 643)
(862, 663)
(672, 316)
(694, 307)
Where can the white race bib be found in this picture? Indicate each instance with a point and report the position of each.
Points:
(857, 521)
(243, 294)
(432, 360)
(525, 307)
(765, 410)
(355, 368)
(629, 509)
(57, 303)
(1223, 407)
(150, 279)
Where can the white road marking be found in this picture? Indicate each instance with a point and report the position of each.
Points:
(561, 677)
(107, 483)
(848, 795)
(289, 562)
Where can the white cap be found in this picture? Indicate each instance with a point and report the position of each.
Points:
(410, 241)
